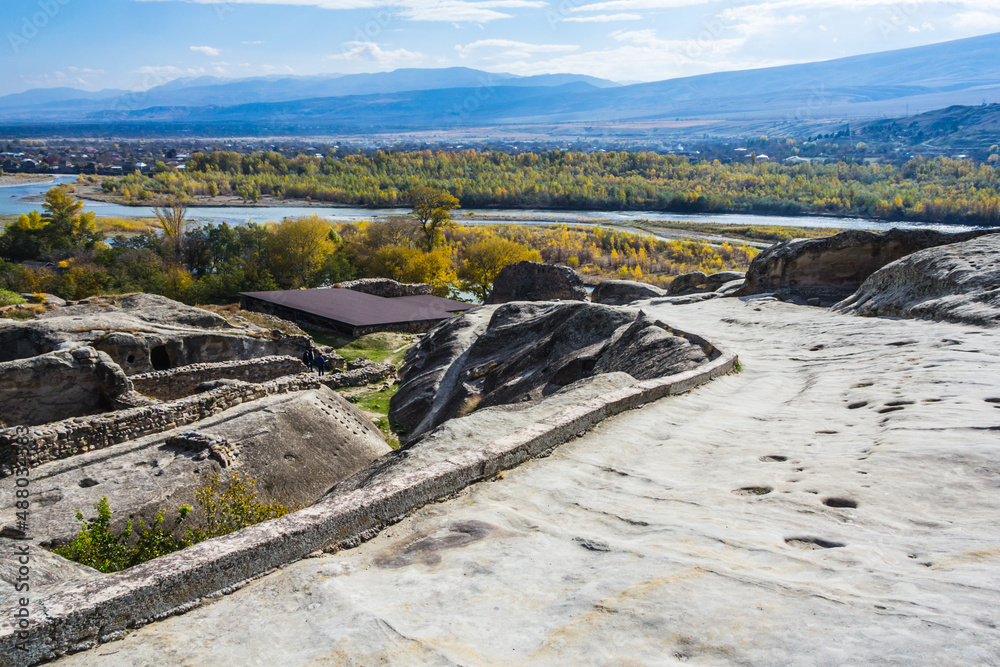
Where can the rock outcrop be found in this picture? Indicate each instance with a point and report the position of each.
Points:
(623, 292)
(524, 352)
(956, 283)
(697, 282)
(833, 267)
(71, 382)
(534, 281)
(386, 287)
(143, 333)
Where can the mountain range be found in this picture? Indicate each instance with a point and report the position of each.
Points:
(889, 83)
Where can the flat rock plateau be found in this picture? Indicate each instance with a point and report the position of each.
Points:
(834, 503)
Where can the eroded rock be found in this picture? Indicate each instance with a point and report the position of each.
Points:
(386, 287)
(956, 283)
(534, 281)
(67, 383)
(143, 333)
(526, 351)
(622, 292)
(833, 267)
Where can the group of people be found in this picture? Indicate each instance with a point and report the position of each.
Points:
(315, 360)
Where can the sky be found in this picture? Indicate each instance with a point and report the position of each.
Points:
(139, 44)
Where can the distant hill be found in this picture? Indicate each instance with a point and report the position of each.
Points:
(50, 95)
(201, 91)
(891, 83)
(952, 127)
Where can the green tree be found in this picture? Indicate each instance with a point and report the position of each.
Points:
(432, 208)
(67, 226)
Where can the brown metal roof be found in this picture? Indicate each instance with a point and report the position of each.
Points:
(359, 309)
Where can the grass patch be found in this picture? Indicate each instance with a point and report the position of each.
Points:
(382, 347)
(126, 226)
(22, 311)
(374, 402)
(770, 233)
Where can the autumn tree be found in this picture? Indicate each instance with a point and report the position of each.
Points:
(63, 226)
(483, 260)
(432, 208)
(172, 216)
(66, 224)
(298, 248)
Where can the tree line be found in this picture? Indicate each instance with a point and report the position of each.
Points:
(936, 190)
(212, 263)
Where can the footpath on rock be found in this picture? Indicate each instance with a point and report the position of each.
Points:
(835, 502)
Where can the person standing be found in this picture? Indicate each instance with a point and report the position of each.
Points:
(320, 364)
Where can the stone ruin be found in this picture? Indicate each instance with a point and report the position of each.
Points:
(138, 399)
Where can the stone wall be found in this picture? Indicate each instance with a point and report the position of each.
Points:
(180, 382)
(67, 438)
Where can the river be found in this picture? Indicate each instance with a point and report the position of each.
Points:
(17, 199)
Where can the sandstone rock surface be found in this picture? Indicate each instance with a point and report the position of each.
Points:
(959, 282)
(47, 571)
(534, 281)
(692, 283)
(71, 382)
(624, 292)
(144, 333)
(296, 446)
(825, 506)
(525, 351)
(833, 267)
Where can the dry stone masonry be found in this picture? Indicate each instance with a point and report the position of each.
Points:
(179, 382)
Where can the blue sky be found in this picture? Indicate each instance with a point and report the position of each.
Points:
(137, 44)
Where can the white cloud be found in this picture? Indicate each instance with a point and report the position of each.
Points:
(451, 11)
(169, 71)
(273, 69)
(492, 49)
(255, 42)
(979, 21)
(372, 52)
(207, 50)
(749, 23)
(611, 5)
(603, 18)
(643, 55)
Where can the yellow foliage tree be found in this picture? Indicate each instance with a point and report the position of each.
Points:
(483, 260)
(297, 248)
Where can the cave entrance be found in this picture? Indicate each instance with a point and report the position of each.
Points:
(159, 358)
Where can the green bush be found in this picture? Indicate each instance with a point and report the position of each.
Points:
(98, 546)
(225, 507)
(8, 298)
